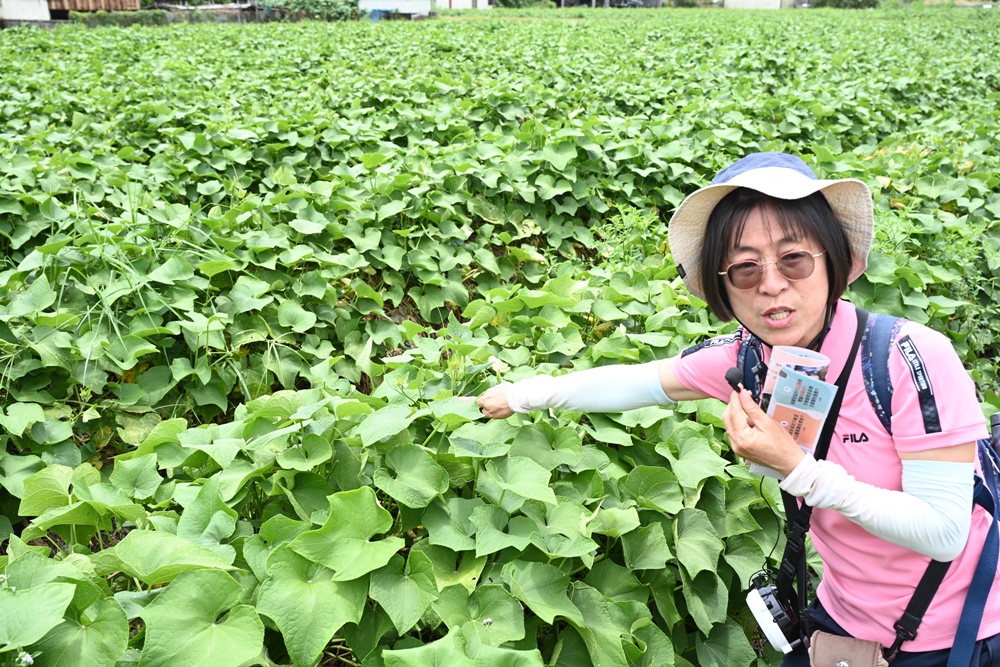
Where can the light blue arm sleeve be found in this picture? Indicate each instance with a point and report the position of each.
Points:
(932, 515)
(603, 389)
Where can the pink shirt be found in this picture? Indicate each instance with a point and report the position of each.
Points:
(867, 581)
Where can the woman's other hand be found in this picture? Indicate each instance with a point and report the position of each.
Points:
(758, 438)
(493, 402)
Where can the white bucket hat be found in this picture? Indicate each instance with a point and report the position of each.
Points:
(777, 175)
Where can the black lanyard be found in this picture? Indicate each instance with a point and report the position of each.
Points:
(793, 561)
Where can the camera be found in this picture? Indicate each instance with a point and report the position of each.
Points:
(778, 623)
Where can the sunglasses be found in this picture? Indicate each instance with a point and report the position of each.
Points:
(793, 265)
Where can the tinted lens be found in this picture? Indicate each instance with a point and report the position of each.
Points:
(796, 265)
(744, 275)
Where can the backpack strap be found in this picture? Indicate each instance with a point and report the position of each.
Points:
(880, 334)
(985, 494)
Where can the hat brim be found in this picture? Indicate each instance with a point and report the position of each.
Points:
(849, 198)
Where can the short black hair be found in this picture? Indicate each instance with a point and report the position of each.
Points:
(798, 218)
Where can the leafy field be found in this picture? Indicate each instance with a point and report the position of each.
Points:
(250, 269)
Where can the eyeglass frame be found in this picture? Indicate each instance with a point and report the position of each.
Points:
(763, 265)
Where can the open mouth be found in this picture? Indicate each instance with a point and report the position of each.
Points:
(778, 315)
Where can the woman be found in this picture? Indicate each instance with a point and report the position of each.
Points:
(770, 245)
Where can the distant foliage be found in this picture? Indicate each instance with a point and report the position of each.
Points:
(518, 4)
(845, 4)
(104, 18)
(328, 10)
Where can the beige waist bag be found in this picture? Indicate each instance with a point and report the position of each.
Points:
(826, 650)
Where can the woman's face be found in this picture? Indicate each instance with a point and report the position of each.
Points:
(778, 310)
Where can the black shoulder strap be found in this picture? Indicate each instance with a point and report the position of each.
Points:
(906, 626)
(793, 562)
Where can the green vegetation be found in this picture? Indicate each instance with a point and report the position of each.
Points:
(248, 271)
(103, 18)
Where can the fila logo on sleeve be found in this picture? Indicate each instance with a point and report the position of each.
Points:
(922, 381)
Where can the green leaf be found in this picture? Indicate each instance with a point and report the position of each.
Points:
(490, 613)
(491, 656)
(511, 480)
(450, 568)
(447, 651)
(455, 410)
(659, 650)
(392, 209)
(616, 583)
(306, 604)
(696, 541)
(197, 621)
(51, 432)
(311, 452)
(548, 447)
(726, 644)
(411, 476)
(490, 522)
(273, 533)
(455, 650)
(33, 300)
(487, 440)
(729, 134)
(602, 626)
(248, 294)
(741, 495)
(291, 314)
(208, 188)
(543, 588)
(47, 488)
(744, 555)
(448, 523)
(307, 227)
(82, 515)
(695, 460)
(19, 416)
(706, 597)
(175, 269)
(125, 351)
(137, 478)
(208, 520)
(342, 543)
(548, 188)
(384, 423)
(615, 522)
(216, 266)
(646, 548)
(606, 430)
(663, 585)
(372, 160)
(560, 154)
(157, 558)
(654, 488)
(97, 639)
(405, 593)
(27, 615)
